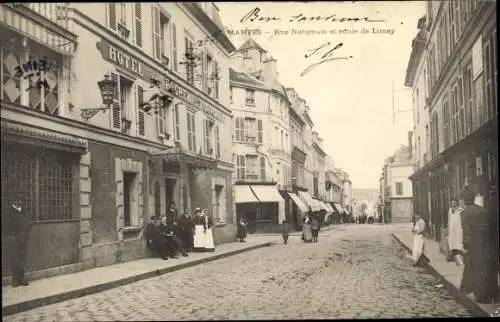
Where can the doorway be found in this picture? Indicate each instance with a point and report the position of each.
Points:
(128, 199)
(169, 194)
(218, 194)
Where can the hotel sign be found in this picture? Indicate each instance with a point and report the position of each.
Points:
(134, 65)
(192, 100)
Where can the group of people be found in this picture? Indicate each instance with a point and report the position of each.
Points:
(310, 228)
(469, 245)
(168, 236)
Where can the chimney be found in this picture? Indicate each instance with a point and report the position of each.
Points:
(270, 68)
(410, 142)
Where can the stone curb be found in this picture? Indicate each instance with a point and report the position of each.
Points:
(65, 296)
(463, 299)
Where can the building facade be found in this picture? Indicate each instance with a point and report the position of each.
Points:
(105, 171)
(462, 104)
(261, 139)
(397, 189)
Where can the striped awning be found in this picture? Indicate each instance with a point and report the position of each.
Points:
(28, 27)
(329, 207)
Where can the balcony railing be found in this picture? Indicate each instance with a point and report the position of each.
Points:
(55, 12)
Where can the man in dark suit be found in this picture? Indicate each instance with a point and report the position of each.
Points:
(479, 276)
(155, 241)
(187, 231)
(170, 230)
(17, 228)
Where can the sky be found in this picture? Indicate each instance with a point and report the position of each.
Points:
(351, 101)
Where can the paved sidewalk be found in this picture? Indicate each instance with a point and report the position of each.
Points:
(64, 287)
(448, 272)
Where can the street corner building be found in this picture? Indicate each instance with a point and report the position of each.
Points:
(109, 112)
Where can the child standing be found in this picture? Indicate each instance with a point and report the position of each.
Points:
(284, 231)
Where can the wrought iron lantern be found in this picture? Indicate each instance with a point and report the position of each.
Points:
(107, 87)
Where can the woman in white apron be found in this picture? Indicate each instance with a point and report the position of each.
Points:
(203, 236)
(418, 240)
(455, 234)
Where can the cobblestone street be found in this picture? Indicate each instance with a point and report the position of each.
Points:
(357, 271)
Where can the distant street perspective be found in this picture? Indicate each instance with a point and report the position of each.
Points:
(355, 271)
(249, 160)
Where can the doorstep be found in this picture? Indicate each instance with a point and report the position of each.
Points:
(65, 287)
(447, 272)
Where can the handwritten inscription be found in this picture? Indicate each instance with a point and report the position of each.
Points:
(255, 15)
(327, 55)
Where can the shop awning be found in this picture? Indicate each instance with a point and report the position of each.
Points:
(21, 18)
(302, 206)
(267, 193)
(339, 208)
(329, 207)
(323, 206)
(314, 205)
(243, 194)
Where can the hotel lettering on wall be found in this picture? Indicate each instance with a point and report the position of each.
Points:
(134, 65)
(192, 100)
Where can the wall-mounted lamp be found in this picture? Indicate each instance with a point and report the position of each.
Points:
(107, 87)
(155, 99)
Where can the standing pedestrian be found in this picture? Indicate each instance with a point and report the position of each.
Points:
(479, 278)
(284, 231)
(455, 234)
(306, 229)
(241, 234)
(187, 227)
(315, 229)
(18, 226)
(418, 241)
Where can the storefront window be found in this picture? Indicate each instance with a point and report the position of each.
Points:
(41, 179)
(28, 87)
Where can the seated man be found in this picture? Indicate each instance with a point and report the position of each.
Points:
(155, 241)
(171, 231)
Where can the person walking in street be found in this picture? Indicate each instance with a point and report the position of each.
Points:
(187, 231)
(315, 229)
(418, 241)
(17, 228)
(455, 234)
(479, 280)
(241, 233)
(284, 231)
(307, 229)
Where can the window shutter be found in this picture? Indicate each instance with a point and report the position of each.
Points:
(217, 142)
(112, 15)
(193, 128)
(116, 108)
(156, 32)
(205, 133)
(177, 123)
(259, 131)
(138, 24)
(236, 129)
(215, 80)
(160, 122)
(189, 131)
(262, 169)
(140, 116)
(174, 47)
